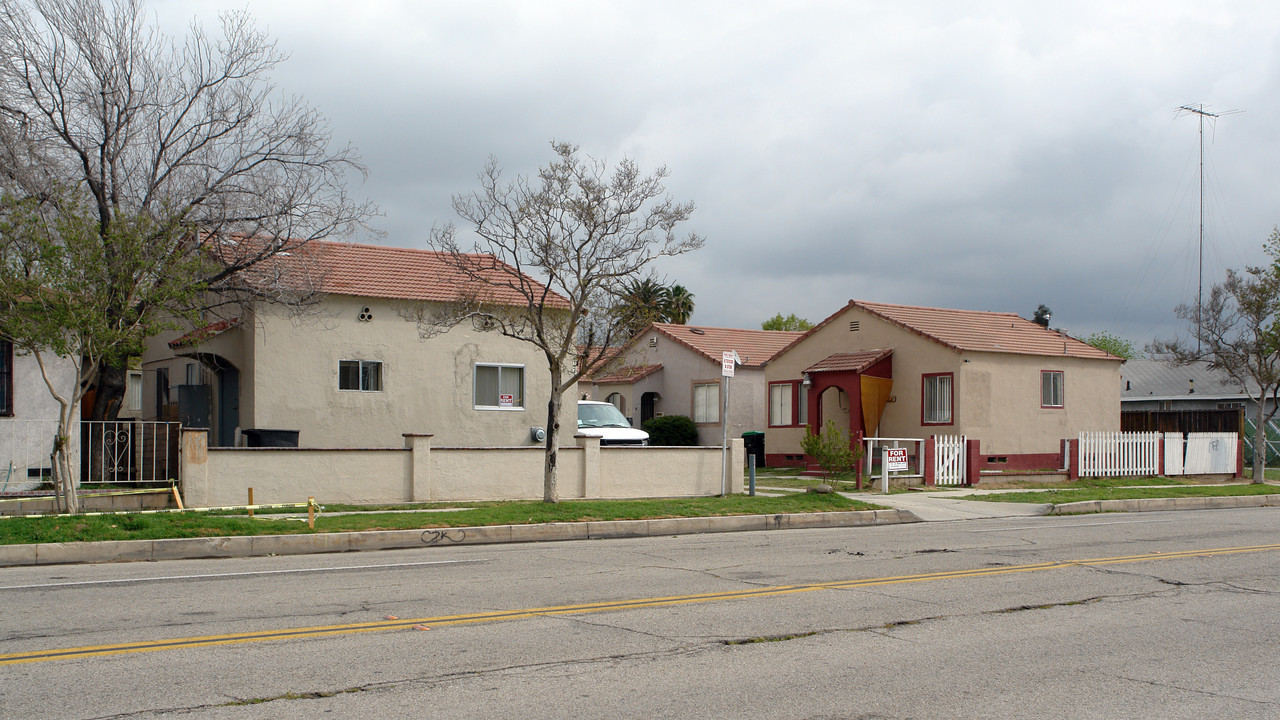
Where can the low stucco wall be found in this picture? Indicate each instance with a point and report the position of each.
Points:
(216, 477)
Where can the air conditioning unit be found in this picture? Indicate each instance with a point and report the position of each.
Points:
(537, 434)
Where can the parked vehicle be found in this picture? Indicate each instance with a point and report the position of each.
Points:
(603, 420)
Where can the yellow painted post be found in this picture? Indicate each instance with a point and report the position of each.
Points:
(311, 513)
(250, 502)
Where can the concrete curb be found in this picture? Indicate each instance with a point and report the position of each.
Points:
(1157, 504)
(262, 545)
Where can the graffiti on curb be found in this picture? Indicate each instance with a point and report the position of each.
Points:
(435, 537)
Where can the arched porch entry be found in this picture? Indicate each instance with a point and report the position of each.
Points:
(850, 389)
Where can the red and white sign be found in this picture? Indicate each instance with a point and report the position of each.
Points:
(727, 360)
(506, 401)
(895, 459)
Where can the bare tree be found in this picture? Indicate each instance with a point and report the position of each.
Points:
(1238, 332)
(551, 261)
(102, 115)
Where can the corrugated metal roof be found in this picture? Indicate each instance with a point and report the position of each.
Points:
(1159, 380)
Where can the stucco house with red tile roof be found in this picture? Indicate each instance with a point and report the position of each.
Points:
(885, 370)
(352, 371)
(670, 369)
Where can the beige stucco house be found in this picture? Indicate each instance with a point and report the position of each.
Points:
(883, 370)
(352, 371)
(671, 369)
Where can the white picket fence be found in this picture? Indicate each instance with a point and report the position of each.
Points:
(1200, 453)
(1116, 454)
(949, 460)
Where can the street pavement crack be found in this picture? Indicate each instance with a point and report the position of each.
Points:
(1209, 693)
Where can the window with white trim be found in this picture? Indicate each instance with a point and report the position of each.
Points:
(1051, 388)
(936, 399)
(706, 403)
(361, 375)
(498, 387)
(780, 404)
(133, 391)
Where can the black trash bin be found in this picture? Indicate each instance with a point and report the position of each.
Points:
(753, 441)
(263, 437)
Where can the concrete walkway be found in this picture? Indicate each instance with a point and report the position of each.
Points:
(938, 507)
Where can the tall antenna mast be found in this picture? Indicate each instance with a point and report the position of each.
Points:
(1202, 113)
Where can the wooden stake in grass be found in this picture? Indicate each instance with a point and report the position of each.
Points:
(311, 513)
(250, 502)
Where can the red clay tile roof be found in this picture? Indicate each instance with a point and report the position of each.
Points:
(754, 347)
(200, 334)
(407, 274)
(849, 362)
(627, 374)
(977, 330)
(381, 271)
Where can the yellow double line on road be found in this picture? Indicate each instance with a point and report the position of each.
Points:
(400, 624)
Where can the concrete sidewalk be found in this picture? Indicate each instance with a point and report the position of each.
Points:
(936, 507)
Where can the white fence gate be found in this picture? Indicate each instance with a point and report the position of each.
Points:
(1115, 454)
(1208, 453)
(949, 459)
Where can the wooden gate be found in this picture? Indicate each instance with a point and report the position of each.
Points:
(949, 459)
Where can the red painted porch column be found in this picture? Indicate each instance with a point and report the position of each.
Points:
(929, 479)
(972, 452)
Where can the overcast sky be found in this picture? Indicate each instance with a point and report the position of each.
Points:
(976, 155)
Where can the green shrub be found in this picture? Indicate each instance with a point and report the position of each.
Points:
(831, 450)
(671, 430)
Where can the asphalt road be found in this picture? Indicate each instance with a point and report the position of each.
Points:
(1171, 615)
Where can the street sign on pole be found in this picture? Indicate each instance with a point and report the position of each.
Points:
(727, 361)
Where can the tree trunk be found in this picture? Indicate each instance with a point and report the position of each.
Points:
(110, 394)
(549, 493)
(1260, 442)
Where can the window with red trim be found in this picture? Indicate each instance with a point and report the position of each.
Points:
(936, 399)
(781, 405)
(1052, 393)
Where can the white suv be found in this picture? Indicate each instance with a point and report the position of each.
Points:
(603, 420)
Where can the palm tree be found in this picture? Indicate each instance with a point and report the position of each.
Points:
(679, 304)
(643, 301)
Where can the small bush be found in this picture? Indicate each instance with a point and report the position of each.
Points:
(831, 450)
(671, 430)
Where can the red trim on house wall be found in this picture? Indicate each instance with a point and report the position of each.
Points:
(1021, 462)
(796, 420)
(1064, 390)
(973, 453)
(952, 421)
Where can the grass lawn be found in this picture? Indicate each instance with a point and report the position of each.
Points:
(197, 524)
(1126, 493)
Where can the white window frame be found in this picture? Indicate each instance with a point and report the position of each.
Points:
(360, 375)
(1052, 390)
(781, 408)
(519, 398)
(706, 410)
(937, 403)
(133, 391)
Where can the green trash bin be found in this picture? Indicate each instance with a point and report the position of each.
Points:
(753, 440)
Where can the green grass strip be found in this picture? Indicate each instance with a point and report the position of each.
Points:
(1126, 493)
(68, 528)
